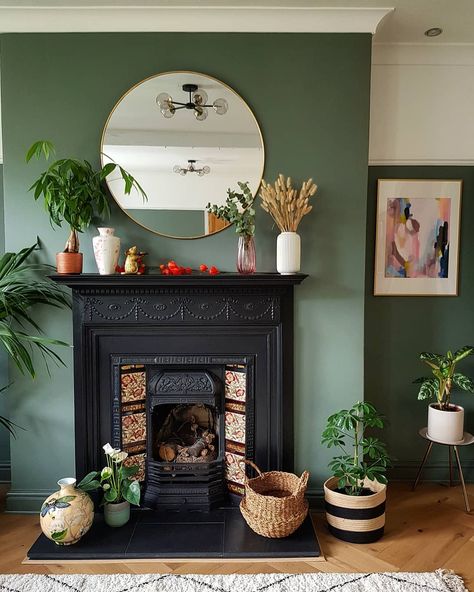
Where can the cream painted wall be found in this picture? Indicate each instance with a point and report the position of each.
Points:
(422, 104)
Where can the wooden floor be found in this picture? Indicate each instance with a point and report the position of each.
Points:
(425, 530)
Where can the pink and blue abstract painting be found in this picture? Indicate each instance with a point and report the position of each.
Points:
(417, 237)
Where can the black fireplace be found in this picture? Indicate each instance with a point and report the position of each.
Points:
(189, 374)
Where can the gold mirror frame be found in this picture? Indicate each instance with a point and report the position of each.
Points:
(229, 88)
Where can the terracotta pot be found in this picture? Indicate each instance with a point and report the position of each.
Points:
(69, 262)
(446, 426)
(355, 518)
(68, 514)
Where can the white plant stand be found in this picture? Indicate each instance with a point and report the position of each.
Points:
(467, 440)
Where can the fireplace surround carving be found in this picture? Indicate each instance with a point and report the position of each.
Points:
(184, 331)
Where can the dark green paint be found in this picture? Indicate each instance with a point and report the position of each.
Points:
(4, 437)
(63, 86)
(397, 329)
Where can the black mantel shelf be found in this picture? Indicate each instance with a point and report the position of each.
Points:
(87, 280)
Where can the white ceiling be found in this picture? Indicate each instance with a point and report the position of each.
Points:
(405, 24)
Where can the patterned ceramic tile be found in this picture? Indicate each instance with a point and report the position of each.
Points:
(133, 428)
(235, 385)
(137, 459)
(133, 386)
(235, 427)
(234, 468)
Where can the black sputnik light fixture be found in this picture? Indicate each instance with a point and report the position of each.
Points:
(197, 102)
(190, 168)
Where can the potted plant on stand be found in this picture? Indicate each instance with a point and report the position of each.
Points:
(118, 486)
(74, 192)
(445, 420)
(238, 209)
(355, 494)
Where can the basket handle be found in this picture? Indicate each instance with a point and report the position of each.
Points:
(302, 484)
(254, 466)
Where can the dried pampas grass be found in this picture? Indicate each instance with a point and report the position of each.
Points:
(285, 204)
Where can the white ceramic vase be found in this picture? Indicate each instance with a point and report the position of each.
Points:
(106, 250)
(446, 426)
(288, 253)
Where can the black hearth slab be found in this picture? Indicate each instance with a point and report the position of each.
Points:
(219, 534)
(185, 516)
(241, 542)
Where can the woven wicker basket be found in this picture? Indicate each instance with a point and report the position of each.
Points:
(274, 505)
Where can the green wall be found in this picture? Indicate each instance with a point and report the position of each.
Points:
(4, 437)
(397, 329)
(63, 86)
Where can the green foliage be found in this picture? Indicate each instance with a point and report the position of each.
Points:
(443, 368)
(238, 209)
(367, 456)
(72, 190)
(115, 480)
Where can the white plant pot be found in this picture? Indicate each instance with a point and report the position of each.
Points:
(106, 251)
(288, 253)
(446, 426)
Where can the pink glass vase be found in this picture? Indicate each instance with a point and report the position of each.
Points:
(246, 257)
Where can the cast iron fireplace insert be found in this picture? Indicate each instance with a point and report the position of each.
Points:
(189, 331)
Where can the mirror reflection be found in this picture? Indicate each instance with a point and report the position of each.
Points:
(186, 138)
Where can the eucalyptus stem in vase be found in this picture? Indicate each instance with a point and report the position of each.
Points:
(287, 206)
(238, 210)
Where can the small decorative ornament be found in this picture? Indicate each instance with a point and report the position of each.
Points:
(133, 262)
(68, 514)
(106, 250)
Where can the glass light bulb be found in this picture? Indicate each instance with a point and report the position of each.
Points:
(206, 170)
(176, 169)
(200, 113)
(200, 97)
(182, 172)
(220, 106)
(164, 101)
(168, 113)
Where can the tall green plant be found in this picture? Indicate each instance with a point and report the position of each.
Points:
(238, 209)
(73, 191)
(362, 456)
(445, 378)
(23, 286)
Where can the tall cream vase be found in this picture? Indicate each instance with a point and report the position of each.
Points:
(288, 259)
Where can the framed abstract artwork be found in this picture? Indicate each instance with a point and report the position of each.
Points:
(417, 237)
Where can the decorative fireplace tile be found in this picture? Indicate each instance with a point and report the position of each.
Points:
(133, 428)
(235, 427)
(235, 384)
(133, 384)
(137, 459)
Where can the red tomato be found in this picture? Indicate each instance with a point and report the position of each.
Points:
(166, 271)
(203, 267)
(214, 270)
(188, 270)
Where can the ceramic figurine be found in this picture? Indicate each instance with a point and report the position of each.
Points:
(68, 514)
(133, 262)
(106, 250)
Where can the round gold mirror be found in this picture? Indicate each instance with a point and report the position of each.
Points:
(186, 138)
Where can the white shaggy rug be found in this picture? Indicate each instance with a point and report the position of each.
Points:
(439, 581)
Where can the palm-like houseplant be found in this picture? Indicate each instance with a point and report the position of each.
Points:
(445, 420)
(23, 286)
(74, 193)
(355, 495)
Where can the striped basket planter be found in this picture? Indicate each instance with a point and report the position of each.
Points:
(355, 519)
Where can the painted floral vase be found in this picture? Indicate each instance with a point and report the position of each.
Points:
(68, 514)
(106, 250)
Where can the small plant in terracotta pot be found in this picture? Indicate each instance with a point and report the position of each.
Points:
(74, 192)
(355, 494)
(445, 420)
